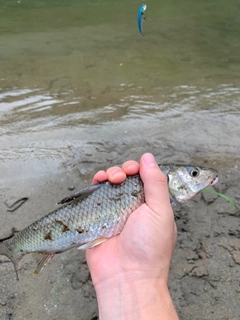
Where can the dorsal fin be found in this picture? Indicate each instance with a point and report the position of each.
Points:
(80, 194)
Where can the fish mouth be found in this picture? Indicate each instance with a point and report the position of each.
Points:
(214, 181)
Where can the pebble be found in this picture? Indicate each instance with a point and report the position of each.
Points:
(3, 303)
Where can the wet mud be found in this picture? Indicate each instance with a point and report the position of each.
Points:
(205, 272)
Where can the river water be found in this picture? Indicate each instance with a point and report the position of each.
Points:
(80, 87)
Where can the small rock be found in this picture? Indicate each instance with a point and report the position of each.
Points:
(235, 233)
(3, 303)
(199, 272)
(231, 264)
(10, 316)
(194, 256)
(213, 284)
(236, 256)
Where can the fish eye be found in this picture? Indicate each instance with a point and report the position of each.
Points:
(193, 171)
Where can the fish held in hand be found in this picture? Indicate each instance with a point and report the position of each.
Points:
(97, 213)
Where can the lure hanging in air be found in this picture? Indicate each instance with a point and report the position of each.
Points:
(141, 18)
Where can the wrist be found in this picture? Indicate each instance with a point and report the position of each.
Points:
(130, 299)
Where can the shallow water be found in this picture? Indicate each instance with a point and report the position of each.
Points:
(81, 88)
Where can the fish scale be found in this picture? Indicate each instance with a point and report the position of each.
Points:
(101, 214)
(96, 213)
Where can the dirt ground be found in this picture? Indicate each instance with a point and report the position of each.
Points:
(205, 272)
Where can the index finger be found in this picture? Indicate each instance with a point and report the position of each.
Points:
(115, 174)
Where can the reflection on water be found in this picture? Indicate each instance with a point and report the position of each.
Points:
(177, 124)
(25, 101)
(80, 87)
(36, 110)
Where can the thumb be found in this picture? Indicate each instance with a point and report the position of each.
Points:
(155, 186)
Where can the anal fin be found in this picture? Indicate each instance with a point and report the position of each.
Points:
(91, 244)
(41, 260)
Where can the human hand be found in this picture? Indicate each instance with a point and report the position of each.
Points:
(141, 254)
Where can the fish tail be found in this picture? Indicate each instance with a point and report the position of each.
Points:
(5, 251)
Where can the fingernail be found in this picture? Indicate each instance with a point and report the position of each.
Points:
(128, 167)
(149, 160)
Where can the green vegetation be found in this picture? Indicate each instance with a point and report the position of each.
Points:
(233, 203)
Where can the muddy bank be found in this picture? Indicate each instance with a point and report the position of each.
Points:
(205, 272)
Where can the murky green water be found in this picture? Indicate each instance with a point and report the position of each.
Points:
(79, 84)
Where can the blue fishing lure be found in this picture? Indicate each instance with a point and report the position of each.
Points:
(141, 18)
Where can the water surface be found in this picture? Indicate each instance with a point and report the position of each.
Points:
(80, 87)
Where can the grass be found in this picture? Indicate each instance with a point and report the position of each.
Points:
(233, 203)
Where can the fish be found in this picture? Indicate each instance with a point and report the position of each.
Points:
(141, 18)
(96, 213)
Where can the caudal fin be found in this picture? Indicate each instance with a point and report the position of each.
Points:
(4, 250)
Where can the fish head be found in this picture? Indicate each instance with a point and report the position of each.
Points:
(187, 181)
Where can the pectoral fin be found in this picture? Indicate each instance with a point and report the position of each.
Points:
(41, 260)
(91, 244)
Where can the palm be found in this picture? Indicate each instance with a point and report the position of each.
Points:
(139, 246)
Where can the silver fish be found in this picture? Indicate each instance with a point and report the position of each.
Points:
(97, 213)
